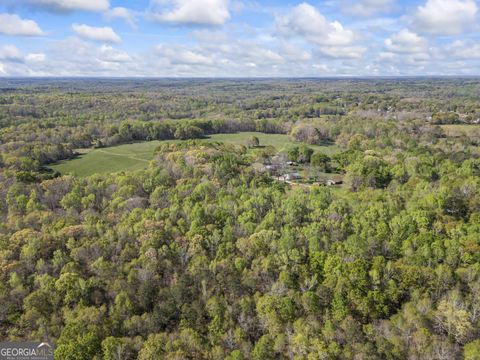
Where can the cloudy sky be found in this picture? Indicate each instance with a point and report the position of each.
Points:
(239, 38)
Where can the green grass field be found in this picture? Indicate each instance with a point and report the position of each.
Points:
(131, 157)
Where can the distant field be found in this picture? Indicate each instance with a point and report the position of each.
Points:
(281, 142)
(459, 129)
(131, 157)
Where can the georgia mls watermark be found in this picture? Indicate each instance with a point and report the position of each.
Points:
(26, 351)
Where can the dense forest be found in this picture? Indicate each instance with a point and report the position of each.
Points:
(203, 255)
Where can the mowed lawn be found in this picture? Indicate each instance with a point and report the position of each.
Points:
(136, 156)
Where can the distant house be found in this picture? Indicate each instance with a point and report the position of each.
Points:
(291, 163)
(271, 167)
(290, 177)
(331, 182)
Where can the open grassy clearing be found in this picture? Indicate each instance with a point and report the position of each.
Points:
(128, 157)
(131, 157)
(281, 142)
(460, 129)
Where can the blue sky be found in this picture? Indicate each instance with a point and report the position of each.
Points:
(236, 38)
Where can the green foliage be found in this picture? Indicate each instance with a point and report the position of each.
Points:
(301, 154)
(472, 350)
(253, 141)
(118, 348)
(264, 349)
(194, 251)
(136, 156)
(321, 161)
(445, 118)
(187, 132)
(75, 344)
(371, 171)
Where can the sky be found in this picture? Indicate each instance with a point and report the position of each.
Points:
(239, 38)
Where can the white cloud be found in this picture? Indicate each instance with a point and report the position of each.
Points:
(462, 50)
(103, 34)
(446, 17)
(11, 24)
(304, 20)
(268, 56)
(233, 53)
(294, 53)
(406, 42)
(228, 56)
(307, 21)
(387, 56)
(343, 52)
(122, 13)
(331, 37)
(76, 57)
(408, 63)
(176, 54)
(10, 53)
(366, 7)
(35, 58)
(72, 5)
(206, 35)
(109, 54)
(322, 68)
(302, 41)
(196, 12)
(406, 49)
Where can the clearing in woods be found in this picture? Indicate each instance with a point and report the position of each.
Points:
(136, 156)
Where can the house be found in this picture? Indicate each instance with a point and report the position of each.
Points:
(271, 167)
(290, 177)
(293, 176)
(291, 163)
(331, 182)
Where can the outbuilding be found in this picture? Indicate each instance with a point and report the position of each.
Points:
(331, 182)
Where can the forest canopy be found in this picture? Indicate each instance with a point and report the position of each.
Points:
(207, 253)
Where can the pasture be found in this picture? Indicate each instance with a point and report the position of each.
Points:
(136, 156)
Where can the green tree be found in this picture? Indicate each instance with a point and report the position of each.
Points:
(321, 161)
(253, 141)
(472, 350)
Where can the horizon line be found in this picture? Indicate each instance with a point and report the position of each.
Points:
(23, 77)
